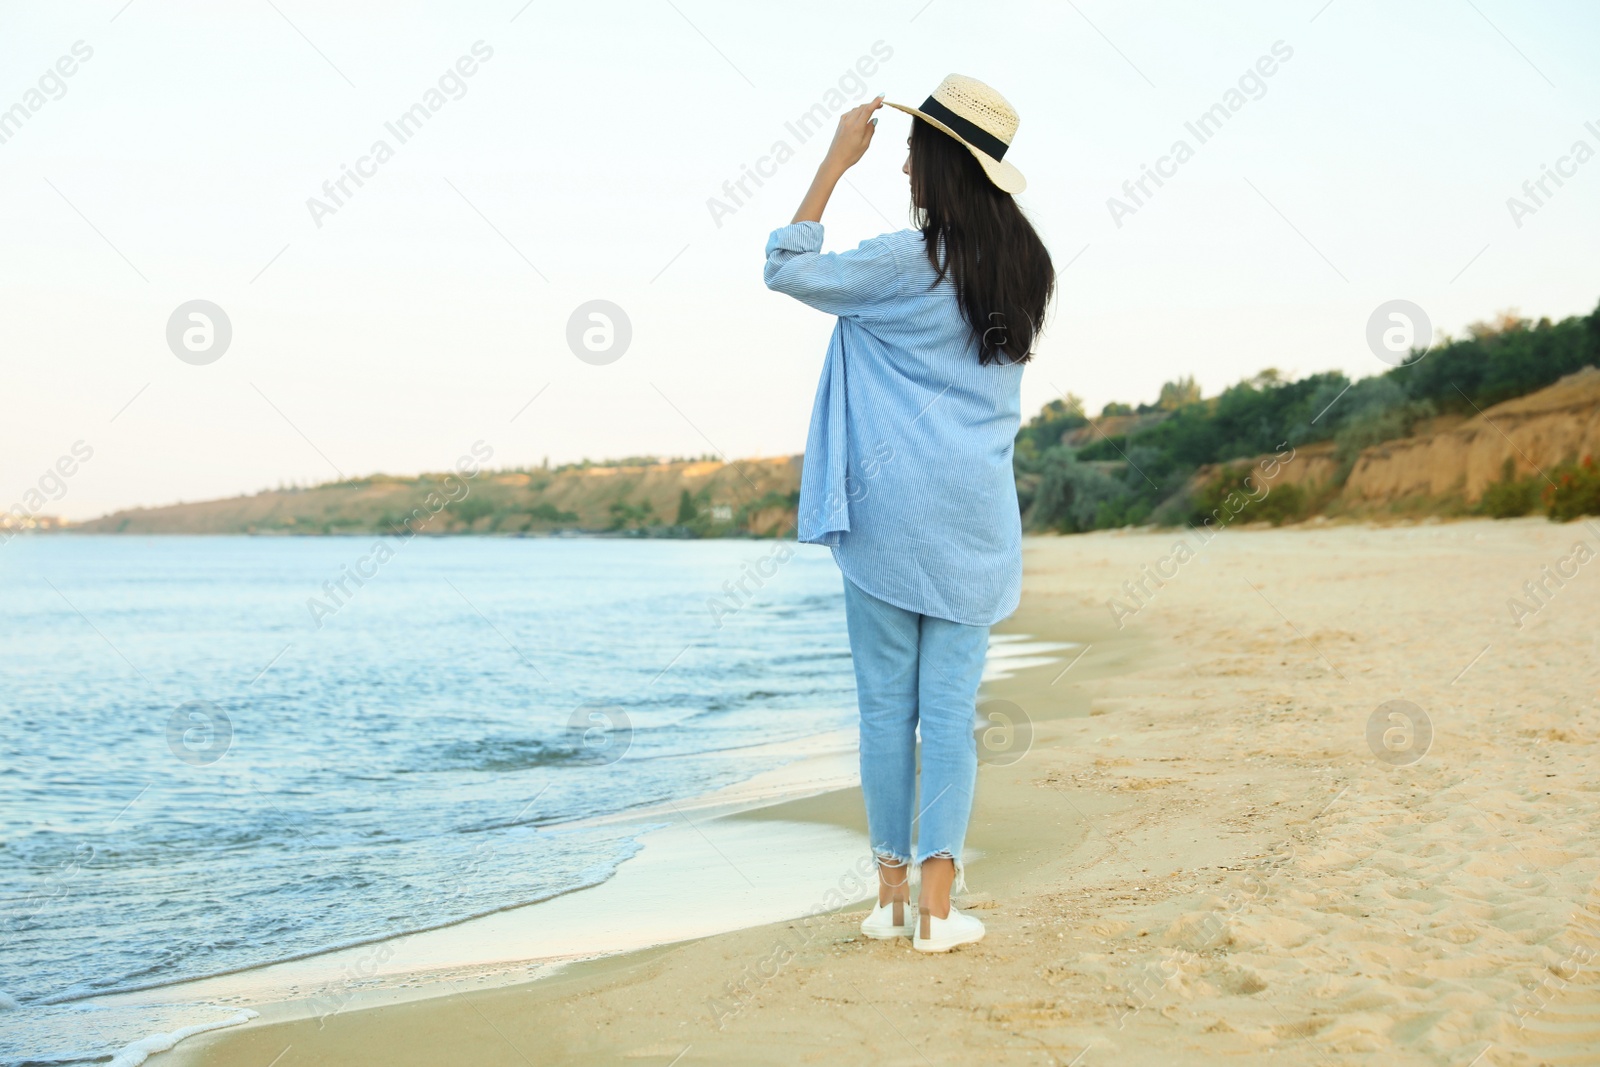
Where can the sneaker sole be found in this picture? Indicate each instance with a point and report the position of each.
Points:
(943, 946)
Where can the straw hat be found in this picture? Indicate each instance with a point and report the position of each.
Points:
(980, 119)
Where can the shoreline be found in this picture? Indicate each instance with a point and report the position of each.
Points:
(537, 939)
(1205, 856)
(1375, 519)
(532, 940)
(836, 809)
(819, 765)
(814, 767)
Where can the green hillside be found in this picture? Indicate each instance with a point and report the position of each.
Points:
(1136, 465)
(1173, 461)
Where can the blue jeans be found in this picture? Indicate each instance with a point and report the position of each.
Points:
(915, 670)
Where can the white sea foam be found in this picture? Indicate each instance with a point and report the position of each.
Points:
(135, 1054)
(1010, 653)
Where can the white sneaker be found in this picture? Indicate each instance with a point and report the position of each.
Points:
(934, 934)
(894, 919)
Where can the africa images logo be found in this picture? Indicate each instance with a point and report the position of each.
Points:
(806, 125)
(451, 85)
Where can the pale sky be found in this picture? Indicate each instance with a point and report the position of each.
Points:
(176, 161)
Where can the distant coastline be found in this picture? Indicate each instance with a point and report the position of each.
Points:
(1494, 462)
(631, 498)
(1503, 422)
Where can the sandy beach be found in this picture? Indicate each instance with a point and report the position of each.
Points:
(1324, 797)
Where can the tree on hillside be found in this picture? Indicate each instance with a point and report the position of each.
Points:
(1505, 321)
(1175, 395)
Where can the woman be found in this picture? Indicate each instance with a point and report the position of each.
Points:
(908, 469)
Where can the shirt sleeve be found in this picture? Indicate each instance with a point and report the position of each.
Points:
(855, 284)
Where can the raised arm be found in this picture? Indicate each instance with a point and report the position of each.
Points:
(850, 142)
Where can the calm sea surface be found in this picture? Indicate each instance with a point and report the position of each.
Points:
(200, 771)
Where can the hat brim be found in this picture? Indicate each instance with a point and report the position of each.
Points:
(1005, 177)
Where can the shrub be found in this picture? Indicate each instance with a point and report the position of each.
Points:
(1234, 494)
(544, 511)
(1511, 496)
(1070, 495)
(624, 515)
(1576, 491)
(1375, 424)
(789, 501)
(1283, 503)
(469, 509)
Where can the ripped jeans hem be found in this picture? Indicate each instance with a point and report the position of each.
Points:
(891, 860)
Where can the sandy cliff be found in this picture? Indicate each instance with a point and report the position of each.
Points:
(1536, 432)
(1445, 468)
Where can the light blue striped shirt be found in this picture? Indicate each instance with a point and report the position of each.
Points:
(907, 473)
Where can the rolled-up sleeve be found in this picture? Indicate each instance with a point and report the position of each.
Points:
(854, 284)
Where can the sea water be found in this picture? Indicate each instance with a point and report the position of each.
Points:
(221, 752)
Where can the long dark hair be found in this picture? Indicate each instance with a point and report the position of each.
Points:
(1002, 272)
